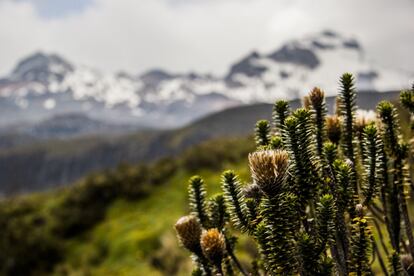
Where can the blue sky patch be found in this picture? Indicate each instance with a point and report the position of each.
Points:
(59, 8)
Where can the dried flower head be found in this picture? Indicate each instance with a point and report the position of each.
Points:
(269, 169)
(338, 106)
(363, 119)
(360, 124)
(333, 129)
(213, 245)
(189, 232)
(306, 102)
(316, 96)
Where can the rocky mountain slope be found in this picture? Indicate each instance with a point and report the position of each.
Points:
(46, 85)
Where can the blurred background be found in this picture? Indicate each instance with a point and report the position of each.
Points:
(108, 106)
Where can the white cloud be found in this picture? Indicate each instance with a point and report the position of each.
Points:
(199, 35)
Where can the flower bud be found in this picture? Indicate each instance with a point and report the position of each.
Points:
(333, 129)
(213, 245)
(189, 231)
(349, 163)
(359, 208)
(253, 191)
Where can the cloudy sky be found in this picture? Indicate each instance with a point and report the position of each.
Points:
(199, 35)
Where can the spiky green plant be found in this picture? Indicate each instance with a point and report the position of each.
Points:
(407, 99)
(198, 204)
(372, 157)
(318, 185)
(281, 111)
(235, 200)
(395, 267)
(398, 151)
(347, 107)
(217, 211)
(262, 133)
(317, 99)
(360, 247)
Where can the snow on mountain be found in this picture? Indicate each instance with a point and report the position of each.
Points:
(318, 60)
(43, 85)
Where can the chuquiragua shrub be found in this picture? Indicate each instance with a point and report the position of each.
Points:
(329, 195)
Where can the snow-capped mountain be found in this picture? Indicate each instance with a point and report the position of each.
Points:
(43, 85)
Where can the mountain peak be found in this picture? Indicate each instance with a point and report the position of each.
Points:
(41, 67)
(155, 76)
(246, 66)
(296, 54)
(329, 33)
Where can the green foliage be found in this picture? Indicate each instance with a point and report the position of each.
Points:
(330, 151)
(311, 262)
(317, 99)
(262, 133)
(372, 163)
(347, 100)
(276, 142)
(361, 240)
(325, 219)
(312, 184)
(298, 137)
(281, 111)
(343, 190)
(398, 153)
(407, 99)
(395, 267)
(235, 200)
(389, 119)
(197, 196)
(26, 246)
(217, 211)
(280, 217)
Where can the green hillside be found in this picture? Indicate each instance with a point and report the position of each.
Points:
(116, 222)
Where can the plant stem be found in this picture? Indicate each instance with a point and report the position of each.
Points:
(380, 259)
(219, 269)
(237, 263)
(407, 222)
(381, 236)
(403, 205)
(377, 214)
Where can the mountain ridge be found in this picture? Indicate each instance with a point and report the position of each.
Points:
(57, 162)
(45, 85)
